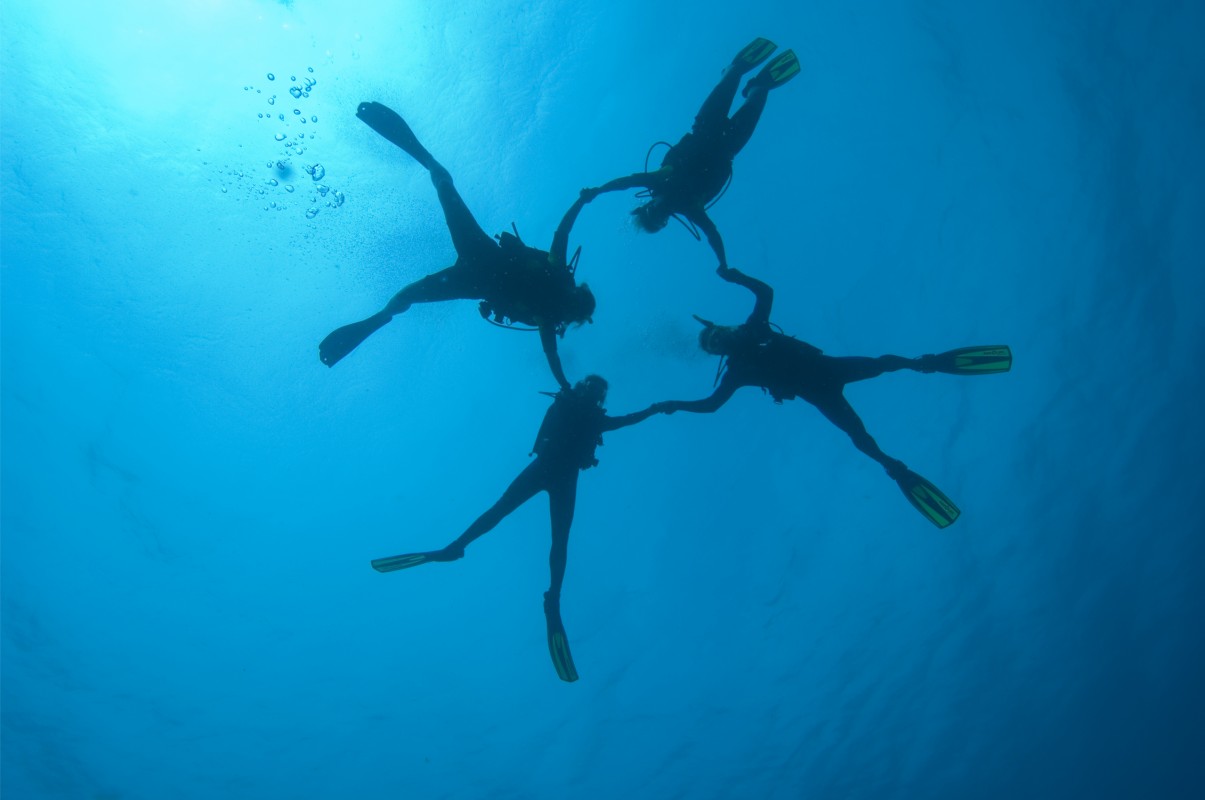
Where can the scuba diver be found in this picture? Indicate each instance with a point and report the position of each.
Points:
(788, 368)
(697, 170)
(515, 283)
(571, 430)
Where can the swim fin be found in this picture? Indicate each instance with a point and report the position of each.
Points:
(342, 341)
(928, 499)
(558, 642)
(390, 124)
(977, 360)
(784, 67)
(754, 53)
(407, 560)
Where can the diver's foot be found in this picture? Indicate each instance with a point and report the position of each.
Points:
(784, 67)
(342, 341)
(452, 552)
(897, 470)
(926, 363)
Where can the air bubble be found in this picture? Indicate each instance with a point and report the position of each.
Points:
(292, 77)
(317, 172)
(309, 69)
(313, 212)
(271, 77)
(261, 115)
(272, 100)
(282, 117)
(296, 111)
(314, 118)
(288, 188)
(296, 92)
(280, 137)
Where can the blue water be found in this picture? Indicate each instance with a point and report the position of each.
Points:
(191, 500)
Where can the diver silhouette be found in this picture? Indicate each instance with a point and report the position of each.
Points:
(515, 282)
(696, 170)
(571, 430)
(787, 368)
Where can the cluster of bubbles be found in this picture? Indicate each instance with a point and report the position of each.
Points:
(290, 176)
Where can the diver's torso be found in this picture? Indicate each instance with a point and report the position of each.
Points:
(784, 366)
(570, 432)
(700, 168)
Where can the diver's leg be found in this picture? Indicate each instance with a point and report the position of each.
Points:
(530, 481)
(453, 283)
(744, 121)
(467, 236)
(850, 369)
(562, 498)
(837, 409)
(713, 115)
(562, 495)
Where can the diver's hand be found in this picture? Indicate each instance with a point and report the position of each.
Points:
(664, 407)
(590, 192)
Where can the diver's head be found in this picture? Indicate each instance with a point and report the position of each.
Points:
(592, 388)
(719, 340)
(579, 305)
(652, 216)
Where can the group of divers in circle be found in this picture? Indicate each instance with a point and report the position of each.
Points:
(518, 284)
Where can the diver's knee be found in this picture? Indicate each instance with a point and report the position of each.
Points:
(440, 176)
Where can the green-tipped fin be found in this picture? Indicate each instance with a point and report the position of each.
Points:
(754, 53)
(779, 71)
(562, 659)
(558, 642)
(929, 500)
(978, 360)
(405, 561)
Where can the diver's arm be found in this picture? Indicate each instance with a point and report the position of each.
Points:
(761, 290)
(615, 423)
(559, 254)
(703, 222)
(723, 392)
(548, 340)
(642, 180)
